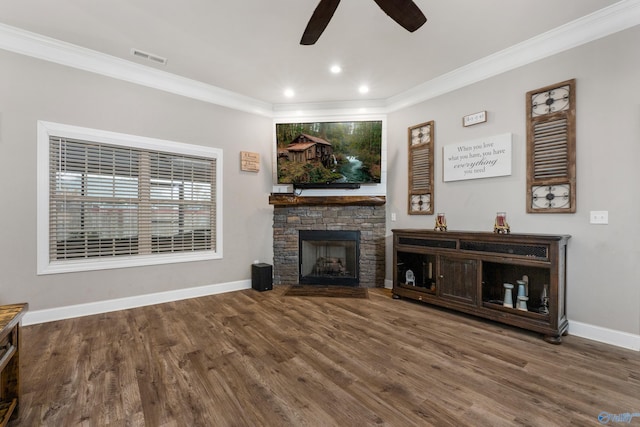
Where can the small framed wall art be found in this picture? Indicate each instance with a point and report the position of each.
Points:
(474, 119)
(249, 162)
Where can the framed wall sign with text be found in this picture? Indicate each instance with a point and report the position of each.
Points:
(480, 158)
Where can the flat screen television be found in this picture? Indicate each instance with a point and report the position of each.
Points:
(341, 154)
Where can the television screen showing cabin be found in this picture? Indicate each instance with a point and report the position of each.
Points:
(329, 152)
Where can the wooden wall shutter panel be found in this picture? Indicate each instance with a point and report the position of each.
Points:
(421, 169)
(551, 149)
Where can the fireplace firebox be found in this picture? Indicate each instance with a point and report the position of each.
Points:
(329, 257)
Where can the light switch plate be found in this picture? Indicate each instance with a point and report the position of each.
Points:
(599, 217)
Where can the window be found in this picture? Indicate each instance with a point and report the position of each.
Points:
(108, 200)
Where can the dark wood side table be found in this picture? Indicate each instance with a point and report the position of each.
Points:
(10, 316)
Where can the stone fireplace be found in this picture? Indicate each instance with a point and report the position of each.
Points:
(362, 216)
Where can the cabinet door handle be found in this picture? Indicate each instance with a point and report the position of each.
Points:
(441, 276)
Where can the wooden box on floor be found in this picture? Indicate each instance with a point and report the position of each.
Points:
(10, 316)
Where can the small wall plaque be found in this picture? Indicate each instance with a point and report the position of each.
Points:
(249, 162)
(474, 119)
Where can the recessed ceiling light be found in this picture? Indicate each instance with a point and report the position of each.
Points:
(363, 89)
(336, 69)
(289, 93)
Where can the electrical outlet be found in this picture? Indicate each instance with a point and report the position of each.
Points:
(393, 216)
(599, 217)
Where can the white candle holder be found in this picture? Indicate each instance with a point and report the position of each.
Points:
(508, 296)
(522, 303)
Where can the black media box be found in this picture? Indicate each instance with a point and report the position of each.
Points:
(261, 277)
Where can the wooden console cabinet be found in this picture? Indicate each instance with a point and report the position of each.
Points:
(466, 271)
(10, 316)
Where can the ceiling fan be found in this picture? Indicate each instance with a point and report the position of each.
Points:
(404, 12)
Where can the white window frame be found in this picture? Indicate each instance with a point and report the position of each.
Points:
(48, 129)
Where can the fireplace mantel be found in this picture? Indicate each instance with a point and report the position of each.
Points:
(293, 200)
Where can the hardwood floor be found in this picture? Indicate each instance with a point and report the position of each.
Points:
(261, 359)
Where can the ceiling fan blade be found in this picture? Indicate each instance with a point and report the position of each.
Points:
(404, 12)
(319, 21)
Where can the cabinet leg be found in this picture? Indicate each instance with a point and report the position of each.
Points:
(553, 339)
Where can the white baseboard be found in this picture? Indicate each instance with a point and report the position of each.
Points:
(591, 332)
(579, 329)
(607, 336)
(71, 311)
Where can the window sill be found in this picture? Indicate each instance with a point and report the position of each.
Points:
(56, 267)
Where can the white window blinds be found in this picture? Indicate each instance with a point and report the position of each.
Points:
(112, 201)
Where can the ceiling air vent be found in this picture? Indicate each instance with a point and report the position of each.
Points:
(149, 56)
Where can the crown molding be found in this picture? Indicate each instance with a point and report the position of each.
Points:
(604, 22)
(48, 49)
(609, 20)
(329, 109)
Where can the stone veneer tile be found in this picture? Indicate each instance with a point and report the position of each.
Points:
(289, 220)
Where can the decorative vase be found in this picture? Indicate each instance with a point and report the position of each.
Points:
(508, 296)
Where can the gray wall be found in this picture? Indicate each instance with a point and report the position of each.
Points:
(603, 270)
(32, 90)
(603, 266)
